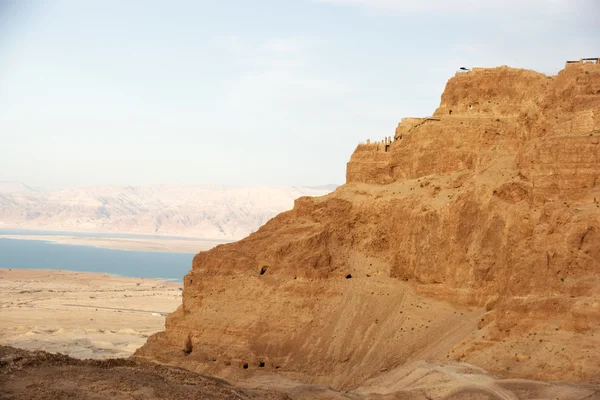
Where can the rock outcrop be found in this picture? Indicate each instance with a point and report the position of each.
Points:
(26, 375)
(473, 236)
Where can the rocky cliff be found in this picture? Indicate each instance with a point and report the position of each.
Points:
(473, 236)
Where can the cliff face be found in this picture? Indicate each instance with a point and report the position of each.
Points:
(473, 236)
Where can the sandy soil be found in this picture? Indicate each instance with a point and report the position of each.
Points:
(176, 245)
(84, 315)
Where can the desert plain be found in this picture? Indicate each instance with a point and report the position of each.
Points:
(81, 314)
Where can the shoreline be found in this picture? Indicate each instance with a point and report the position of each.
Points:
(61, 231)
(187, 246)
(177, 281)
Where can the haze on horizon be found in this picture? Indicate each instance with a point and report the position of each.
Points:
(244, 93)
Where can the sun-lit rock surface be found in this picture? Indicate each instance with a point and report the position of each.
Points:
(473, 236)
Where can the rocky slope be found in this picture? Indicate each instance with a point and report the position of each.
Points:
(208, 211)
(26, 375)
(473, 236)
(39, 375)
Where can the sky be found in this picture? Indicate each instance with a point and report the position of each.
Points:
(239, 92)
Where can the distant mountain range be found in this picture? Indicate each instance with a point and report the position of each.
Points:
(202, 211)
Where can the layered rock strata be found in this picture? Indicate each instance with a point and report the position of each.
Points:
(473, 236)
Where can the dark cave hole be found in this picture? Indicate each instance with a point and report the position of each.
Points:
(245, 366)
(188, 347)
(348, 276)
(263, 270)
(261, 364)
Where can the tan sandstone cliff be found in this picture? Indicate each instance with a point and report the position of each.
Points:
(473, 236)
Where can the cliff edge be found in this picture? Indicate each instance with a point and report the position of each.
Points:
(472, 235)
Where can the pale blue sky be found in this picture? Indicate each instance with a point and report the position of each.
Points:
(275, 92)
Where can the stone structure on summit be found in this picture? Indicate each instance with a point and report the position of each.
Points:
(472, 236)
(595, 60)
(383, 145)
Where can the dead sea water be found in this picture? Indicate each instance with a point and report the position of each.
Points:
(37, 254)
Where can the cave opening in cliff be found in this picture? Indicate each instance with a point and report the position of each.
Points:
(245, 366)
(261, 364)
(263, 269)
(188, 347)
(450, 112)
(348, 276)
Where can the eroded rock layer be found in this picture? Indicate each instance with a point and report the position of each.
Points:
(473, 236)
